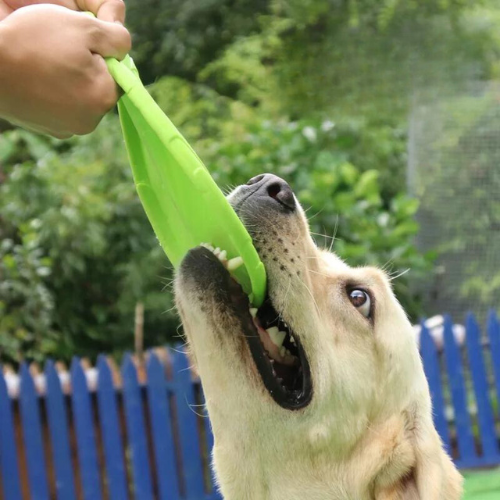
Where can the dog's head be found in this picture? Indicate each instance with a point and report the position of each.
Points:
(323, 383)
(329, 339)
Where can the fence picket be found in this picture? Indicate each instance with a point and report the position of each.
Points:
(480, 381)
(85, 434)
(493, 329)
(432, 370)
(32, 434)
(59, 435)
(188, 426)
(136, 431)
(161, 418)
(110, 429)
(9, 469)
(458, 395)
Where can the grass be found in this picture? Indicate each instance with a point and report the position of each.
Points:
(482, 485)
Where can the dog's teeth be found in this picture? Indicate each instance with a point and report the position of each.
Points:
(276, 336)
(234, 263)
(282, 351)
(222, 256)
(273, 333)
(253, 312)
(217, 251)
(292, 340)
(207, 246)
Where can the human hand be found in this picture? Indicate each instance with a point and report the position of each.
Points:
(105, 10)
(54, 79)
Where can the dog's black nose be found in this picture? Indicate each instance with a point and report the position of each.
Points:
(271, 186)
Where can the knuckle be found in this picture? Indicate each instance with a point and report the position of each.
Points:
(126, 42)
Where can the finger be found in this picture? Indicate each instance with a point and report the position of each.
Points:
(17, 4)
(106, 88)
(109, 39)
(105, 10)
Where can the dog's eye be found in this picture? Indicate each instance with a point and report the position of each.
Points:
(361, 301)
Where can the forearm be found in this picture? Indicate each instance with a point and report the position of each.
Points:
(5, 70)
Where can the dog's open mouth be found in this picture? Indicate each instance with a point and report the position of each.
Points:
(280, 358)
(276, 350)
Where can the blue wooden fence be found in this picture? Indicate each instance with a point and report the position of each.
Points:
(145, 437)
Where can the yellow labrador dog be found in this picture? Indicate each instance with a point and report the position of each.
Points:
(319, 394)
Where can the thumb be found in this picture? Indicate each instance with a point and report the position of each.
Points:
(109, 39)
(106, 10)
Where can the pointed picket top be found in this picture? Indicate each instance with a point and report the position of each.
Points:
(426, 341)
(128, 367)
(432, 371)
(76, 369)
(9, 470)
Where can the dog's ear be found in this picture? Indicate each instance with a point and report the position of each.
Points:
(432, 477)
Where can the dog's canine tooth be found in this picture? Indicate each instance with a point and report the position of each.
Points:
(234, 263)
(217, 251)
(253, 312)
(276, 336)
(222, 255)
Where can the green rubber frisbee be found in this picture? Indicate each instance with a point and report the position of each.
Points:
(182, 201)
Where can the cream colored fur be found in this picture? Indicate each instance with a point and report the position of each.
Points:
(367, 433)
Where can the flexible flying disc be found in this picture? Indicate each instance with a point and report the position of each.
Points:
(182, 201)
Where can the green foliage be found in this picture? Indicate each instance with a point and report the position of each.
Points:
(313, 90)
(179, 37)
(77, 253)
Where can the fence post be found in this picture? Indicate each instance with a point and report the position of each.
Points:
(110, 430)
(9, 469)
(188, 425)
(494, 338)
(85, 435)
(480, 381)
(136, 430)
(459, 396)
(59, 435)
(32, 433)
(432, 371)
(161, 421)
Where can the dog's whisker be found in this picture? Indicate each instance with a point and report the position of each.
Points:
(402, 273)
(334, 237)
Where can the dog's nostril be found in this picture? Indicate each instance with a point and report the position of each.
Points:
(255, 180)
(273, 190)
(281, 192)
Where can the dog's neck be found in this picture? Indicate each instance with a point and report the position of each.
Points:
(255, 461)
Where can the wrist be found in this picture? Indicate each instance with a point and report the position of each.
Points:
(7, 68)
(4, 68)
